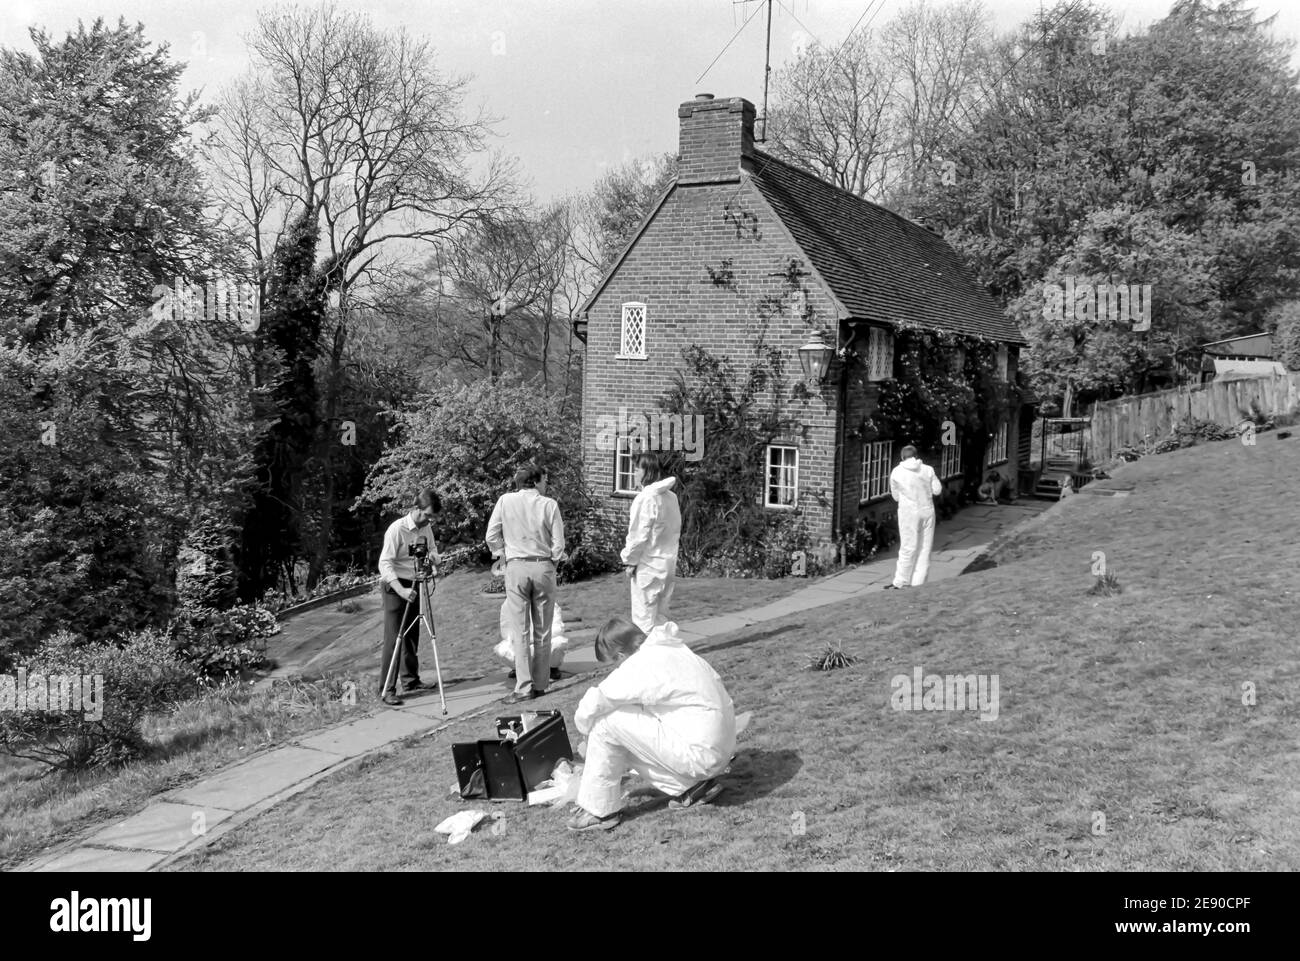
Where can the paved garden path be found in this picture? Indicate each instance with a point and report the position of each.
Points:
(180, 820)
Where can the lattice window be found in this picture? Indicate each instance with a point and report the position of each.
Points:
(950, 459)
(877, 459)
(632, 345)
(880, 354)
(957, 361)
(782, 487)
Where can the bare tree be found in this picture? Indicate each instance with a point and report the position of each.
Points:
(358, 126)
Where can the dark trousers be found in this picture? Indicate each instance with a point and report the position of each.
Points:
(398, 617)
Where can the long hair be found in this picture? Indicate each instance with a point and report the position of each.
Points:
(618, 636)
(654, 465)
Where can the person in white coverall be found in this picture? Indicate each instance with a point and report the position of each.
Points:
(650, 552)
(663, 713)
(914, 485)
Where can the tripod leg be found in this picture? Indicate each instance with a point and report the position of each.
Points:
(427, 603)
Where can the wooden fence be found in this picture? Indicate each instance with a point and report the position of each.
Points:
(1119, 423)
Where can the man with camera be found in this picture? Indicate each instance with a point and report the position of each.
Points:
(408, 547)
(526, 528)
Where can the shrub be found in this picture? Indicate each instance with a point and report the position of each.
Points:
(139, 675)
(223, 643)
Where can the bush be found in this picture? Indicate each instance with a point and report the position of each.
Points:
(223, 643)
(594, 543)
(131, 679)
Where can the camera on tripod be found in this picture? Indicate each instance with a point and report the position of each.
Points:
(423, 566)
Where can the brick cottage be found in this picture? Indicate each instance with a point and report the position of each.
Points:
(736, 233)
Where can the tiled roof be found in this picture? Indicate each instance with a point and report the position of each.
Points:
(881, 266)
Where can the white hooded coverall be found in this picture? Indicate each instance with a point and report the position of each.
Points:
(653, 531)
(914, 485)
(662, 713)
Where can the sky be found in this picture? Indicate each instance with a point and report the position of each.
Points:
(578, 85)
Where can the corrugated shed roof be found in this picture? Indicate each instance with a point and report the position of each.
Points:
(882, 266)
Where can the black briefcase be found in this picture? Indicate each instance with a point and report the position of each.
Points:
(508, 768)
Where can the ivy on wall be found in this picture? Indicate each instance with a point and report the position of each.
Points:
(927, 390)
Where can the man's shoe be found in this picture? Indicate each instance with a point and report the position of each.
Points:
(516, 696)
(702, 793)
(586, 821)
(418, 687)
(392, 700)
(557, 674)
(513, 674)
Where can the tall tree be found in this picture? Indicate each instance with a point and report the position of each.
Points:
(360, 125)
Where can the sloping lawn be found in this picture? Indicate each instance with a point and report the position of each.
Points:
(468, 622)
(230, 723)
(1128, 706)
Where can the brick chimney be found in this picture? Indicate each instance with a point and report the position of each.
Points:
(714, 136)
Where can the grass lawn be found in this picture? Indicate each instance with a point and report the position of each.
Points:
(234, 721)
(1127, 706)
(468, 621)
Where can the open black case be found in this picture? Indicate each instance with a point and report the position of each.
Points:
(527, 748)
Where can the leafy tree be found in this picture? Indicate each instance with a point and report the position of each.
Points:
(1286, 334)
(128, 411)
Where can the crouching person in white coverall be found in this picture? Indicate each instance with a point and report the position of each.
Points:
(663, 713)
(653, 532)
(914, 485)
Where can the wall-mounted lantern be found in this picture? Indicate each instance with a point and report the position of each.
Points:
(815, 357)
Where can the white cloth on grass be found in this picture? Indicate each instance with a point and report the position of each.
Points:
(506, 649)
(663, 713)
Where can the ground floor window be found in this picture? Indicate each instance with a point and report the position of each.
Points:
(998, 446)
(950, 459)
(877, 459)
(782, 487)
(624, 452)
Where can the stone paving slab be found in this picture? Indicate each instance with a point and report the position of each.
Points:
(163, 826)
(368, 733)
(99, 859)
(458, 703)
(236, 788)
(723, 624)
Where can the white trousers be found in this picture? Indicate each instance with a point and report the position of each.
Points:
(915, 538)
(634, 739)
(652, 590)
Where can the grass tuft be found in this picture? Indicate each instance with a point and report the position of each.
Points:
(831, 658)
(1106, 585)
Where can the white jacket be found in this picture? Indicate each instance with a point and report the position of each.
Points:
(678, 687)
(654, 527)
(914, 485)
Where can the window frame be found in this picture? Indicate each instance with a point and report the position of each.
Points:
(767, 478)
(886, 461)
(998, 444)
(623, 354)
(880, 354)
(944, 472)
(623, 449)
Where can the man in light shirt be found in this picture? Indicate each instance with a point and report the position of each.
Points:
(527, 529)
(401, 595)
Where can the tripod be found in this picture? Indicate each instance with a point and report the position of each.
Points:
(424, 575)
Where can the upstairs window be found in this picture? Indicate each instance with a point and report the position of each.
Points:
(880, 354)
(632, 343)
